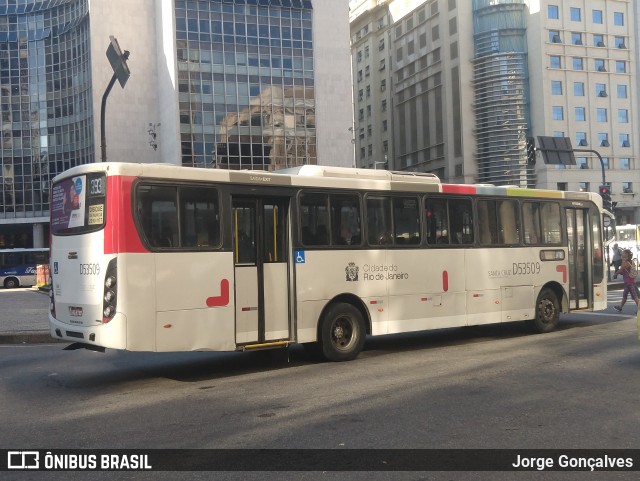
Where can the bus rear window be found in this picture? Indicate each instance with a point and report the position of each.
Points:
(78, 204)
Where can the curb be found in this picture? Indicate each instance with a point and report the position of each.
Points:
(32, 337)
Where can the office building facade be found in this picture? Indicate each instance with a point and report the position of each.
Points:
(240, 84)
(473, 83)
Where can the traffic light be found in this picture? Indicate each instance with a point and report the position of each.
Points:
(605, 193)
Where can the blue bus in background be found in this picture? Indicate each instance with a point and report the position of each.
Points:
(18, 267)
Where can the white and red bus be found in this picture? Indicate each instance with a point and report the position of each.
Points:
(149, 257)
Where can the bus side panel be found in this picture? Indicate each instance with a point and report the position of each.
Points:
(136, 298)
(426, 289)
(194, 301)
(327, 274)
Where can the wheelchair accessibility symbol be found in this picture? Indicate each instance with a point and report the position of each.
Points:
(299, 255)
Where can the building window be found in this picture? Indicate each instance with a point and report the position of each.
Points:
(578, 89)
(384, 125)
(601, 115)
(554, 61)
(603, 140)
(601, 90)
(554, 36)
(605, 162)
(599, 65)
(598, 41)
(381, 44)
(582, 163)
(368, 91)
(580, 114)
(558, 113)
(361, 115)
(556, 87)
(435, 33)
(597, 16)
(627, 187)
(583, 186)
(383, 85)
(562, 186)
(575, 14)
(576, 38)
(619, 42)
(368, 110)
(623, 116)
(360, 95)
(382, 64)
(383, 106)
(625, 164)
(621, 66)
(553, 12)
(578, 63)
(624, 140)
(618, 19)
(622, 91)
(581, 139)
(399, 54)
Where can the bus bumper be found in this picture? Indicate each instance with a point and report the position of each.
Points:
(112, 335)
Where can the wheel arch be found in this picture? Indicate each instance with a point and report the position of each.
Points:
(352, 299)
(560, 293)
(6, 280)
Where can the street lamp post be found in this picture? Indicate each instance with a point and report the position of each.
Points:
(118, 61)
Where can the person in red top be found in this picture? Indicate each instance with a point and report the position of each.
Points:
(629, 282)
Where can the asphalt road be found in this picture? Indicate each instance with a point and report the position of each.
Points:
(481, 387)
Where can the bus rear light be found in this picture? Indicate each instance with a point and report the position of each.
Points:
(110, 296)
(52, 301)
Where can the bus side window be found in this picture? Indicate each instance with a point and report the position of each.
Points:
(345, 219)
(314, 219)
(379, 227)
(437, 221)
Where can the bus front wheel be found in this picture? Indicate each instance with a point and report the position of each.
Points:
(11, 283)
(342, 332)
(547, 311)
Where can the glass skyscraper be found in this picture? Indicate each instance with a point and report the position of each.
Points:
(246, 83)
(45, 106)
(236, 84)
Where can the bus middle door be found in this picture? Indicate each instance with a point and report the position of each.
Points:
(260, 243)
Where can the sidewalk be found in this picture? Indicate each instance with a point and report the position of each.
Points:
(24, 316)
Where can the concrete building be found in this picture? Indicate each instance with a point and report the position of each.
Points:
(471, 83)
(214, 83)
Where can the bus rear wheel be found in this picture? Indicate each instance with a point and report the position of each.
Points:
(11, 283)
(342, 333)
(547, 311)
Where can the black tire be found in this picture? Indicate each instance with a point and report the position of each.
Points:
(342, 333)
(547, 311)
(11, 283)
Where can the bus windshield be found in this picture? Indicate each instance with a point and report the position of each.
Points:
(78, 204)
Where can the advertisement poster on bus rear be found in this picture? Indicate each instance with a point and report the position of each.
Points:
(68, 203)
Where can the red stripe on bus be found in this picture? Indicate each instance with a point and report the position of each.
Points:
(563, 270)
(458, 189)
(120, 233)
(223, 298)
(445, 281)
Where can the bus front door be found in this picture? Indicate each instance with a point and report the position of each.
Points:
(580, 274)
(260, 244)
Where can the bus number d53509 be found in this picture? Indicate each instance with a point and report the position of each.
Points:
(89, 269)
(520, 268)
